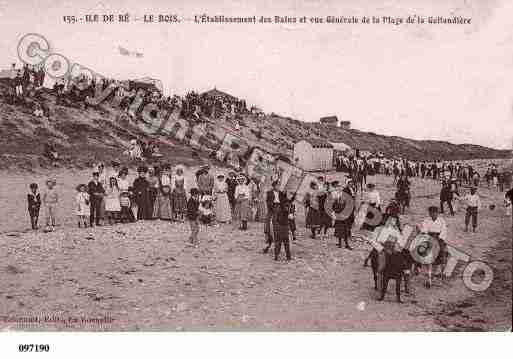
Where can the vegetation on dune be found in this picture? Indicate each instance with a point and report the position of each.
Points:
(103, 133)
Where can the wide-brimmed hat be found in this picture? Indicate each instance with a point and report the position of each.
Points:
(51, 180)
(142, 169)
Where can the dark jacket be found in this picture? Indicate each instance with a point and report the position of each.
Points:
(395, 264)
(269, 199)
(141, 189)
(95, 188)
(231, 183)
(282, 211)
(192, 209)
(34, 202)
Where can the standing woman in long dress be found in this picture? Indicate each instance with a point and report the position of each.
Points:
(163, 179)
(179, 196)
(222, 208)
(243, 204)
(311, 204)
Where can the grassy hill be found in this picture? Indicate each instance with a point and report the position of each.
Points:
(84, 136)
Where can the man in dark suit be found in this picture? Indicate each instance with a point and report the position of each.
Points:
(273, 199)
(96, 192)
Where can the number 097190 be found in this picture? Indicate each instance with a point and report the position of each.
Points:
(33, 348)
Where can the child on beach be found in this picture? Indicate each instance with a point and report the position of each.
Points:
(34, 204)
(193, 215)
(50, 201)
(112, 204)
(126, 214)
(83, 206)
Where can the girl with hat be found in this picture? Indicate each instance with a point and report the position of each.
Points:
(222, 208)
(83, 209)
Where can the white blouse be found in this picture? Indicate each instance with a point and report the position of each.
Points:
(438, 226)
(123, 184)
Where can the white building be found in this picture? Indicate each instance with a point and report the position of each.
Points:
(313, 155)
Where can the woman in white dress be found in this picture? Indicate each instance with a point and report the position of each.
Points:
(222, 205)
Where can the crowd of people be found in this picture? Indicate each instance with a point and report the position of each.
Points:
(162, 192)
(359, 167)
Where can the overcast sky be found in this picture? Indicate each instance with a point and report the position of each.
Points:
(444, 82)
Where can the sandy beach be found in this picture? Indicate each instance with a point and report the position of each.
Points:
(143, 276)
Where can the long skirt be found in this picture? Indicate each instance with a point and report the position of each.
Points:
(243, 210)
(222, 208)
(154, 193)
(325, 219)
(312, 218)
(179, 200)
(163, 208)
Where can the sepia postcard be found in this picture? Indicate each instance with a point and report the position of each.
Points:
(267, 166)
